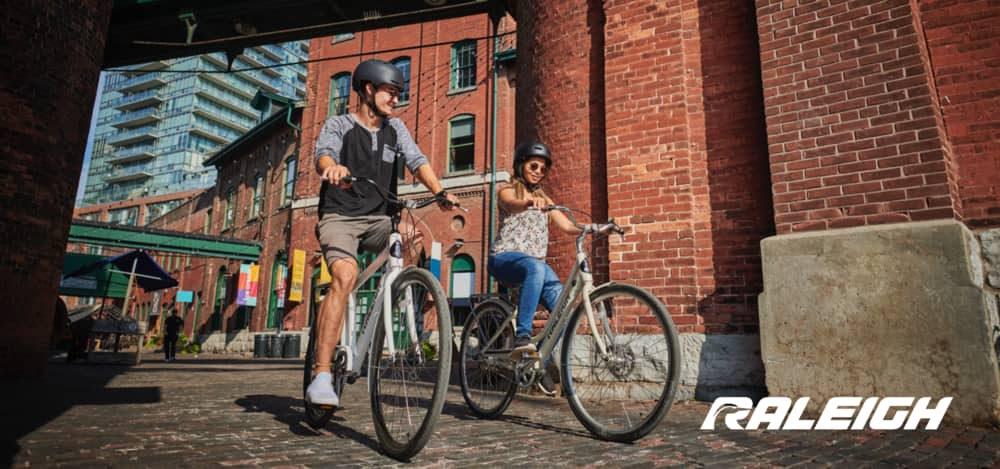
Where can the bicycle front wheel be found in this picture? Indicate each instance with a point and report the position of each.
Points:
(623, 394)
(485, 370)
(408, 387)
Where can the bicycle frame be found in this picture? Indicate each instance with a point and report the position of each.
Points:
(580, 284)
(359, 348)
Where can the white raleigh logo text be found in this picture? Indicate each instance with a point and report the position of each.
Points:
(840, 413)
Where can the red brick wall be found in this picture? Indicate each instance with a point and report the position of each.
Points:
(963, 43)
(560, 81)
(852, 130)
(47, 93)
(687, 163)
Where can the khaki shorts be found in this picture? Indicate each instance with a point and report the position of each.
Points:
(341, 237)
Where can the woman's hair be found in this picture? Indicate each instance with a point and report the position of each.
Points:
(522, 187)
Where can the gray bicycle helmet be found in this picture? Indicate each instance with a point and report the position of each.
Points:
(378, 72)
(527, 150)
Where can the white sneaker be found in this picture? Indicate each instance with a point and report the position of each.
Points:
(320, 391)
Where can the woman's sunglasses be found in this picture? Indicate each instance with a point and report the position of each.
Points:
(537, 167)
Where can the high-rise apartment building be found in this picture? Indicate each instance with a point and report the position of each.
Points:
(159, 121)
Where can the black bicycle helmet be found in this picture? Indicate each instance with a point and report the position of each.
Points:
(527, 150)
(378, 72)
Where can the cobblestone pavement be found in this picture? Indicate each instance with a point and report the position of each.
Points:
(221, 411)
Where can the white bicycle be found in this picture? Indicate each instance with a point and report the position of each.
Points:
(407, 370)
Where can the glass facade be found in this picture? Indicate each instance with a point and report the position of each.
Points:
(157, 122)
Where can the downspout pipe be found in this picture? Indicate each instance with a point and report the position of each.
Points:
(493, 155)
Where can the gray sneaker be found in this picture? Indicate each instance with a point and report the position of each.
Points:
(523, 345)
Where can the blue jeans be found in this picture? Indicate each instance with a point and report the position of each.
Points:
(537, 281)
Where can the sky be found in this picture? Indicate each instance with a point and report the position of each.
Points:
(90, 141)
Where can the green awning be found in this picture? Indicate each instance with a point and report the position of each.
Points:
(151, 239)
(96, 283)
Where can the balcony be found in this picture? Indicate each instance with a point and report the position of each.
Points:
(221, 120)
(132, 154)
(208, 132)
(229, 102)
(148, 66)
(256, 59)
(135, 118)
(142, 82)
(276, 53)
(138, 100)
(230, 83)
(129, 173)
(134, 136)
(264, 82)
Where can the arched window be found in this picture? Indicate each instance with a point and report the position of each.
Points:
(461, 143)
(403, 64)
(340, 93)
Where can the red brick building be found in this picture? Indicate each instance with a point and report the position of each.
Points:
(795, 149)
(448, 107)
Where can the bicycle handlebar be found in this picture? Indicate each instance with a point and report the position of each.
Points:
(392, 199)
(597, 228)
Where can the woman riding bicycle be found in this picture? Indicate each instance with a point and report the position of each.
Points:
(518, 253)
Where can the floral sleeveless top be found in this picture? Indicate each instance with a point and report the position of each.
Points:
(526, 232)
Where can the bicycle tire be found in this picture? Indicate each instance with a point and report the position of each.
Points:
(486, 386)
(430, 372)
(643, 365)
(317, 417)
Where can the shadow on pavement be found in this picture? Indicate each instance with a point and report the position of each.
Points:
(28, 404)
(289, 411)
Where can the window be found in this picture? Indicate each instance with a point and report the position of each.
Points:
(230, 210)
(403, 64)
(463, 65)
(208, 221)
(290, 173)
(258, 196)
(461, 143)
(340, 93)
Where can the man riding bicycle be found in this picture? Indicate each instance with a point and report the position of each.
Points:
(366, 144)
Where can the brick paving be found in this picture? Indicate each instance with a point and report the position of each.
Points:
(224, 411)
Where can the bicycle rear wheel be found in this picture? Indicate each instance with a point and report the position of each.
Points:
(621, 396)
(318, 416)
(485, 372)
(408, 388)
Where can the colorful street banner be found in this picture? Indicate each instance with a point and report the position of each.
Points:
(185, 296)
(279, 285)
(242, 288)
(298, 275)
(252, 285)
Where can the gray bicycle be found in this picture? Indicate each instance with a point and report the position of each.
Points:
(620, 360)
